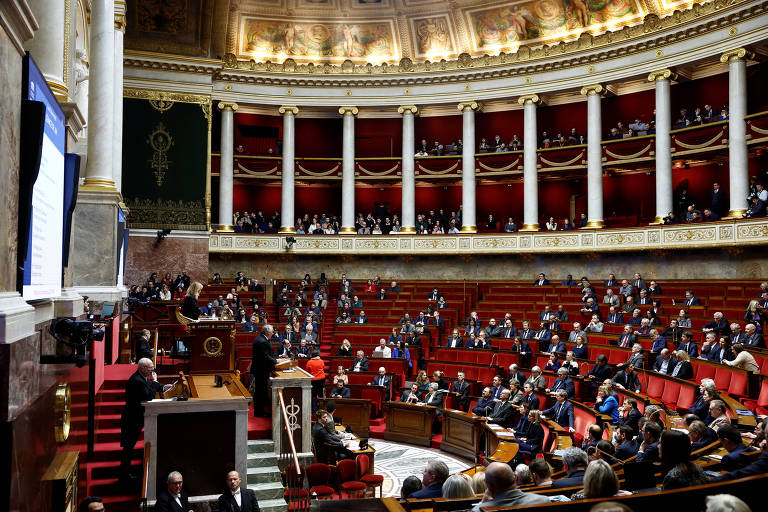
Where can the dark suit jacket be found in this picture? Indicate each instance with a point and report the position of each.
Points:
(759, 467)
(262, 361)
(321, 436)
(493, 331)
(731, 459)
(459, 342)
(566, 384)
(756, 340)
(508, 332)
(562, 415)
(600, 373)
(535, 437)
(626, 450)
(483, 407)
(628, 381)
(462, 388)
(627, 340)
(685, 371)
(651, 453)
(248, 502)
(559, 348)
(575, 479)
(143, 349)
(137, 390)
(544, 282)
(166, 502)
(694, 301)
(502, 414)
(433, 491)
(690, 348)
(533, 400)
(363, 364)
(631, 420)
(435, 399)
(526, 334)
(341, 393)
(670, 365)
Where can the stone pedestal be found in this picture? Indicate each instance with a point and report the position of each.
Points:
(297, 393)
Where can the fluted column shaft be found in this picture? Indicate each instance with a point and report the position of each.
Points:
(117, 119)
(101, 96)
(468, 189)
(47, 45)
(594, 156)
(348, 170)
(663, 143)
(408, 221)
(738, 166)
(289, 166)
(226, 167)
(530, 171)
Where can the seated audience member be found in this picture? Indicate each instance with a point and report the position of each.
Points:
(600, 481)
(502, 410)
(716, 351)
(688, 345)
(458, 486)
(575, 463)
(523, 475)
(553, 364)
(434, 396)
(536, 379)
(529, 397)
(541, 472)
(485, 404)
(411, 396)
(743, 360)
(569, 363)
(502, 491)
(345, 349)
(541, 279)
(555, 345)
(410, 486)
(682, 368)
(629, 415)
(433, 477)
(675, 453)
(563, 381)
(174, 497)
(516, 374)
(492, 330)
(730, 439)
(636, 357)
(700, 435)
(303, 351)
(562, 412)
(627, 378)
(340, 391)
(531, 441)
(649, 448)
(382, 350)
(664, 363)
(322, 438)
(360, 364)
(600, 371)
(719, 325)
(595, 325)
(625, 443)
(394, 288)
(606, 403)
(754, 339)
(717, 413)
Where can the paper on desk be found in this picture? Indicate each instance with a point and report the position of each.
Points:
(715, 456)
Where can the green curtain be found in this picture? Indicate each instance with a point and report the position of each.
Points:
(164, 159)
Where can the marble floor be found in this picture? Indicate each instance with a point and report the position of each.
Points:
(397, 461)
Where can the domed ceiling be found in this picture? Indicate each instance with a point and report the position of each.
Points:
(373, 31)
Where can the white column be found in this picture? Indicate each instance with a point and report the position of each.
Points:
(101, 97)
(738, 168)
(47, 45)
(662, 78)
(226, 165)
(408, 221)
(289, 164)
(117, 125)
(530, 171)
(468, 191)
(594, 156)
(348, 170)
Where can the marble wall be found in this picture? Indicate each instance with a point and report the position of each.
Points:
(172, 254)
(748, 263)
(94, 258)
(10, 104)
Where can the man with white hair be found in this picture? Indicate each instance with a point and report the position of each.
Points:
(754, 338)
(360, 364)
(516, 374)
(736, 335)
(309, 335)
(174, 498)
(536, 380)
(718, 325)
(142, 386)
(501, 489)
(383, 350)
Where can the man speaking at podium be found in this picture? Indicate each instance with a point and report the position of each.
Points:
(262, 365)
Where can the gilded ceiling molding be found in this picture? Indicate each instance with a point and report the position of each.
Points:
(662, 74)
(407, 109)
(228, 105)
(468, 105)
(155, 95)
(348, 111)
(737, 54)
(529, 98)
(592, 89)
(288, 109)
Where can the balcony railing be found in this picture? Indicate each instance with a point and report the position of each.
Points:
(626, 153)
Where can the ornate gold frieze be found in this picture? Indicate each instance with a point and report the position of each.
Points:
(166, 214)
(155, 95)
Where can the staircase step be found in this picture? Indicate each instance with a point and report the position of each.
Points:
(261, 446)
(263, 474)
(262, 459)
(267, 490)
(278, 505)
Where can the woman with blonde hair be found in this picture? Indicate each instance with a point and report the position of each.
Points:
(743, 360)
(478, 482)
(456, 487)
(600, 481)
(755, 315)
(341, 375)
(190, 308)
(345, 350)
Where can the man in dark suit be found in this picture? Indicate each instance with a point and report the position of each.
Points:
(174, 498)
(143, 348)
(625, 445)
(611, 281)
(433, 295)
(555, 346)
(485, 404)
(502, 411)
(141, 387)
(719, 325)
(516, 374)
(688, 345)
(682, 368)
(360, 364)
(730, 439)
(627, 338)
(562, 412)
(461, 387)
(753, 339)
(524, 349)
(541, 280)
(492, 330)
(563, 381)
(432, 480)
(691, 299)
(322, 438)
(638, 282)
(237, 499)
(673, 332)
(455, 340)
(717, 202)
(649, 448)
(508, 331)
(437, 321)
(629, 415)
(575, 463)
(434, 397)
(544, 335)
(262, 365)
(411, 396)
(636, 358)
(497, 388)
(665, 363)
(628, 379)
(341, 391)
(382, 380)
(599, 372)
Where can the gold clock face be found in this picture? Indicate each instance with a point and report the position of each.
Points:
(62, 412)
(212, 347)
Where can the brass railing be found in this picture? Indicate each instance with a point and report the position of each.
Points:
(288, 460)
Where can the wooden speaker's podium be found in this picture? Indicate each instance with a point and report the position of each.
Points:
(296, 386)
(211, 345)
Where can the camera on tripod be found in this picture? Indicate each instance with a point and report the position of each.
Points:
(72, 339)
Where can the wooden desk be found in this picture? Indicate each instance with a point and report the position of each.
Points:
(500, 445)
(410, 423)
(355, 412)
(461, 433)
(370, 451)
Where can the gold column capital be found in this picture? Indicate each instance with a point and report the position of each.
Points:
(288, 109)
(468, 105)
(407, 109)
(662, 74)
(228, 105)
(529, 99)
(120, 10)
(737, 54)
(588, 90)
(348, 110)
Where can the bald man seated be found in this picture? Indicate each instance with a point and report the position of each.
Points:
(501, 489)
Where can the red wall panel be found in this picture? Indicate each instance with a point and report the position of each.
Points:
(506, 124)
(319, 138)
(446, 129)
(561, 118)
(626, 108)
(696, 93)
(378, 137)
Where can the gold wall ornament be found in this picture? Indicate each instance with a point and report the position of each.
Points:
(529, 98)
(348, 110)
(662, 74)
(737, 54)
(288, 109)
(468, 105)
(212, 347)
(62, 412)
(592, 89)
(228, 105)
(160, 141)
(407, 109)
(161, 105)
(153, 94)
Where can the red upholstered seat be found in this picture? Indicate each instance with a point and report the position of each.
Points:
(318, 475)
(347, 478)
(655, 387)
(371, 481)
(670, 394)
(722, 378)
(686, 398)
(738, 386)
(759, 406)
(704, 371)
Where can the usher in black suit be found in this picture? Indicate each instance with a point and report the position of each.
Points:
(138, 389)
(248, 502)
